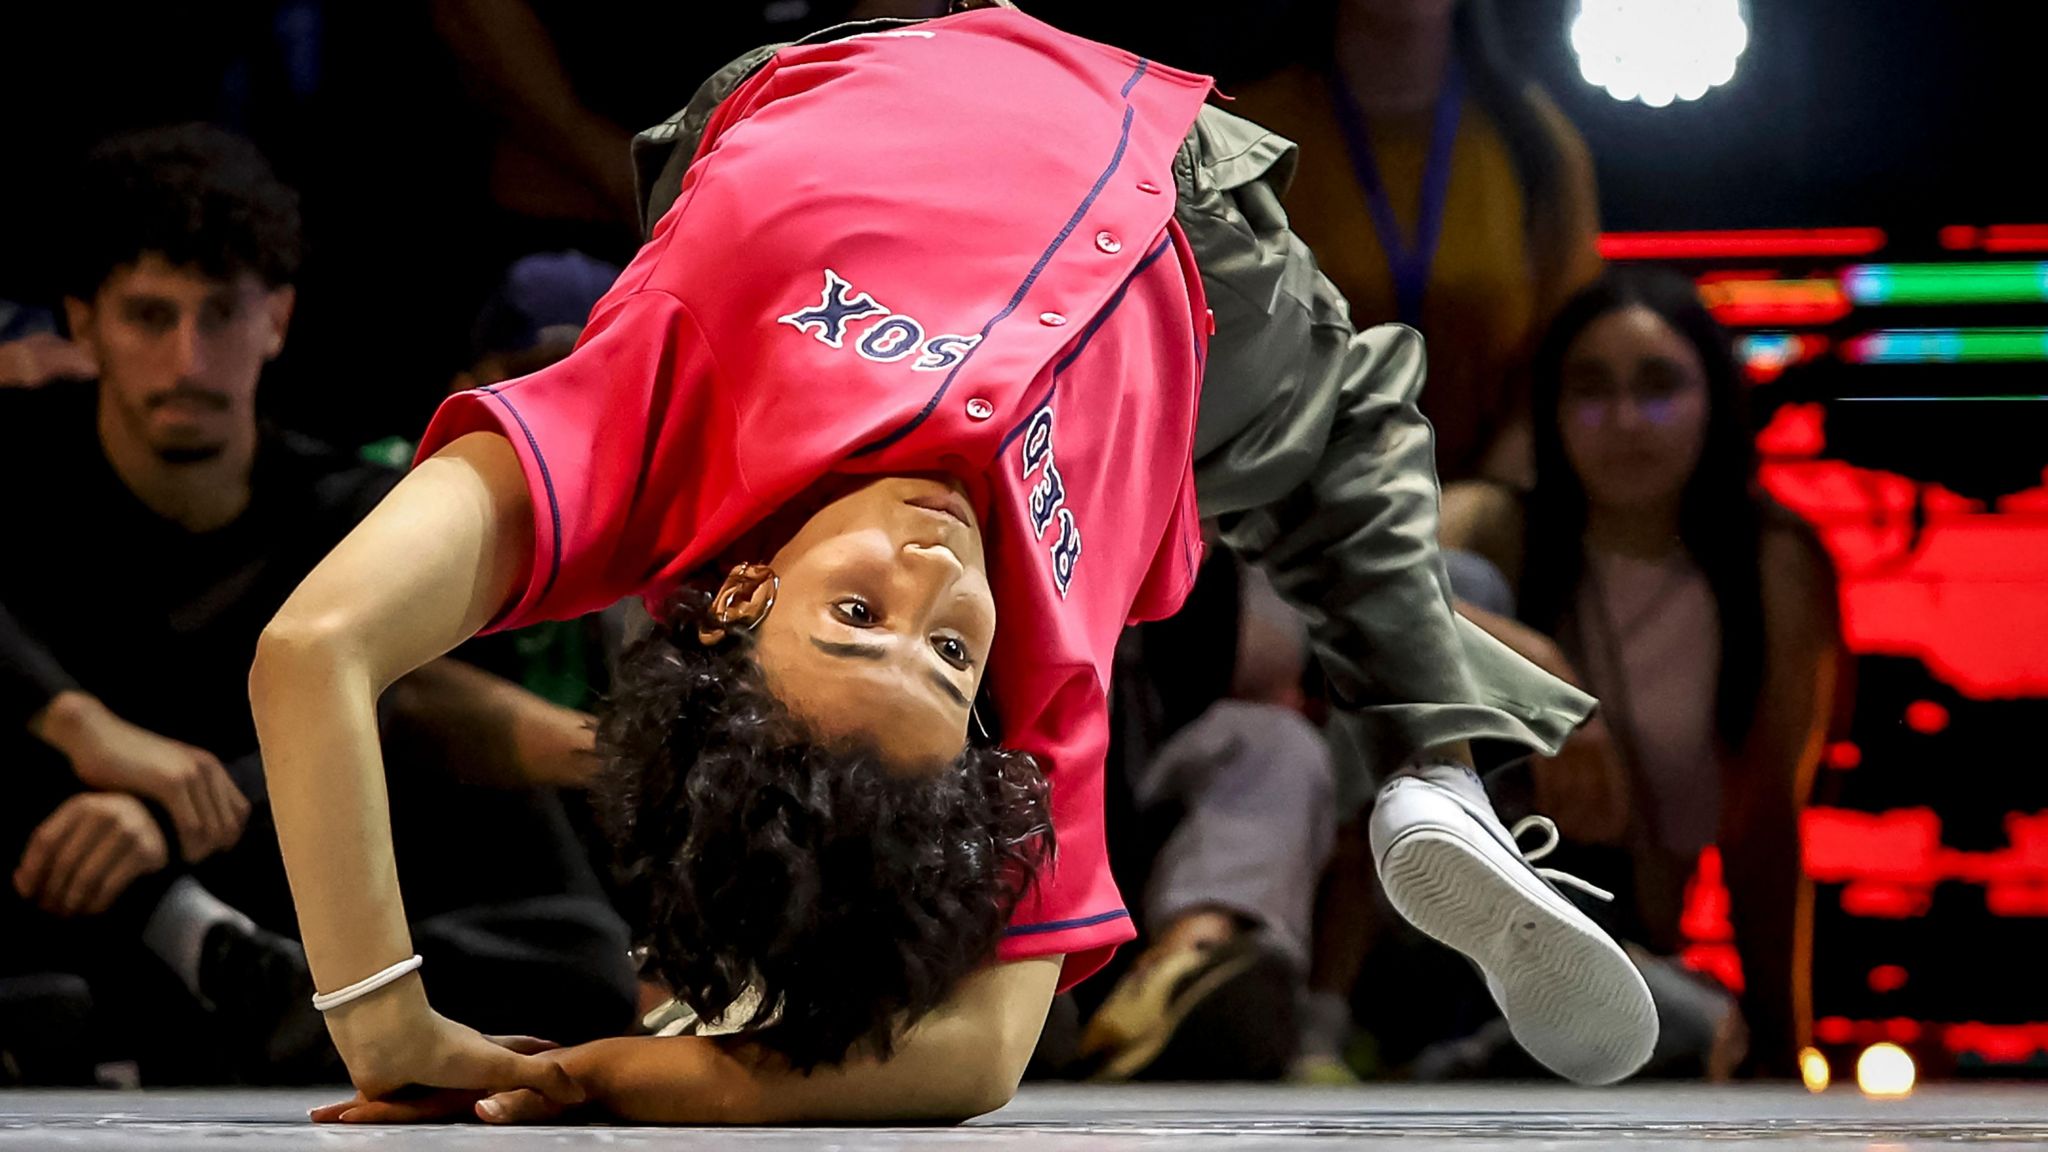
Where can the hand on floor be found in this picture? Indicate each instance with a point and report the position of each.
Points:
(413, 1105)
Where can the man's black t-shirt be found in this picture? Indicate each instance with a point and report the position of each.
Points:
(158, 622)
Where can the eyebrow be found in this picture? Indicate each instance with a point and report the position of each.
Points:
(878, 652)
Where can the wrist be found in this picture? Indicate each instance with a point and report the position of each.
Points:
(69, 721)
(383, 1015)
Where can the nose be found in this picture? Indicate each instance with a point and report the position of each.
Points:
(186, 348)
(936, 558)
(1628, 414)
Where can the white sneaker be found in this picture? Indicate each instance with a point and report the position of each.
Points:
(1571, 996)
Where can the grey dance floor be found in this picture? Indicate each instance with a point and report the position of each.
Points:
(1169, 1119)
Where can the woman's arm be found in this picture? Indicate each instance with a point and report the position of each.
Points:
(1766, 786)
(423, 572)
(961, 1060)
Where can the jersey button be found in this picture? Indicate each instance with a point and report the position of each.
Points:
(979, 409)
(1051, 319)
(1148, 186)
(1108, 243)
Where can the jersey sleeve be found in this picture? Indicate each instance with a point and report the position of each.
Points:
(614, 442)
(1074, 908)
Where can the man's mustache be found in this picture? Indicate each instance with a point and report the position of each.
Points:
(205, 397)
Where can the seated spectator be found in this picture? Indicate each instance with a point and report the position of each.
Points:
(1648, 566)
(1228, 814)
(1441, 187)
(156, 524)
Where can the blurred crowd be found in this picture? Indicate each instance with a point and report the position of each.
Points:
(247, 271)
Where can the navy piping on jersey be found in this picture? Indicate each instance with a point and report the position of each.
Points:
(1135, 77)
(547, 482)
(1081, 344)
(1063, 925)
(1115, 161)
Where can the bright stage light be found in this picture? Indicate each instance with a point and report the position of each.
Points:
(1885, 1071)
(1659, 51)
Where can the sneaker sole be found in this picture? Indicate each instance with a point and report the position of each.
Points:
(1128, 1062)
(1572, 998)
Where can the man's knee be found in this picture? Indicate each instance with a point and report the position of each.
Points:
(1276, 749)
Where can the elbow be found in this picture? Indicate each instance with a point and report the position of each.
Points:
(291, 648)
(987, 1091)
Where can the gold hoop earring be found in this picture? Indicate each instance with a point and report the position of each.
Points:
(725, 610)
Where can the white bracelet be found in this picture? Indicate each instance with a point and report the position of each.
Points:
(324, 1001)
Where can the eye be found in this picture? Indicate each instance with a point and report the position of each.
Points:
(953, 651)
(855, 611)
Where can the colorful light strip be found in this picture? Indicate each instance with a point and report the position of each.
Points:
(1775, 303)
(1999, 238)
(1765, 355)
(1751, 245)
(2015, 282)
(1948, 346)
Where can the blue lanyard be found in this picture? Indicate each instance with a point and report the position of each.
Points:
(1409, 261)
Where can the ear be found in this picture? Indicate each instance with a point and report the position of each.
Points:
(742, 602)
(278, 305)
(79, 316)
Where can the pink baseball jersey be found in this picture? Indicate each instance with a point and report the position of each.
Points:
(943, 248)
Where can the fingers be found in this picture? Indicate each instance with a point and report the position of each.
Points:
(234, 806)
(32, 876)
(86, 839)
(517, 1107)
(432, 1108)
(330, 1113)
(99, 875)
(206, 801)
(187, 814)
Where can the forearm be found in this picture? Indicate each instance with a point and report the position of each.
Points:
(66, 721)
(422, 573)
(315, 713)
(491, 731)
(961, 1061)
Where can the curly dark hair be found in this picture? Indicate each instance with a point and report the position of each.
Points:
(200, 196)
(853, 899)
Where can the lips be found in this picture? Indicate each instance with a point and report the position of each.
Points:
(949, 504)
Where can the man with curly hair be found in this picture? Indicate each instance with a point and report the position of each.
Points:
(939, 324)
(155, 524)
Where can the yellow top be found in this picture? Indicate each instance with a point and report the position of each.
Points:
(1492, 285)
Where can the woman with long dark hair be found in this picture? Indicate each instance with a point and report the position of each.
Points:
(1438, 187)
(1646, 564)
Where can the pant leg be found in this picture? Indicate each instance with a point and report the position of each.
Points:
(1258, 790)
(549, 966)
(507, 911)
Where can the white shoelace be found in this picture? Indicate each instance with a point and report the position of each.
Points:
(1549, 828)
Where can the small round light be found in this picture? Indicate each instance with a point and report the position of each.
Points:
(1813, 1069)
(1885, 1072)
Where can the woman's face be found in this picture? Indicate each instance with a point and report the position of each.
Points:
(1633, 410)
